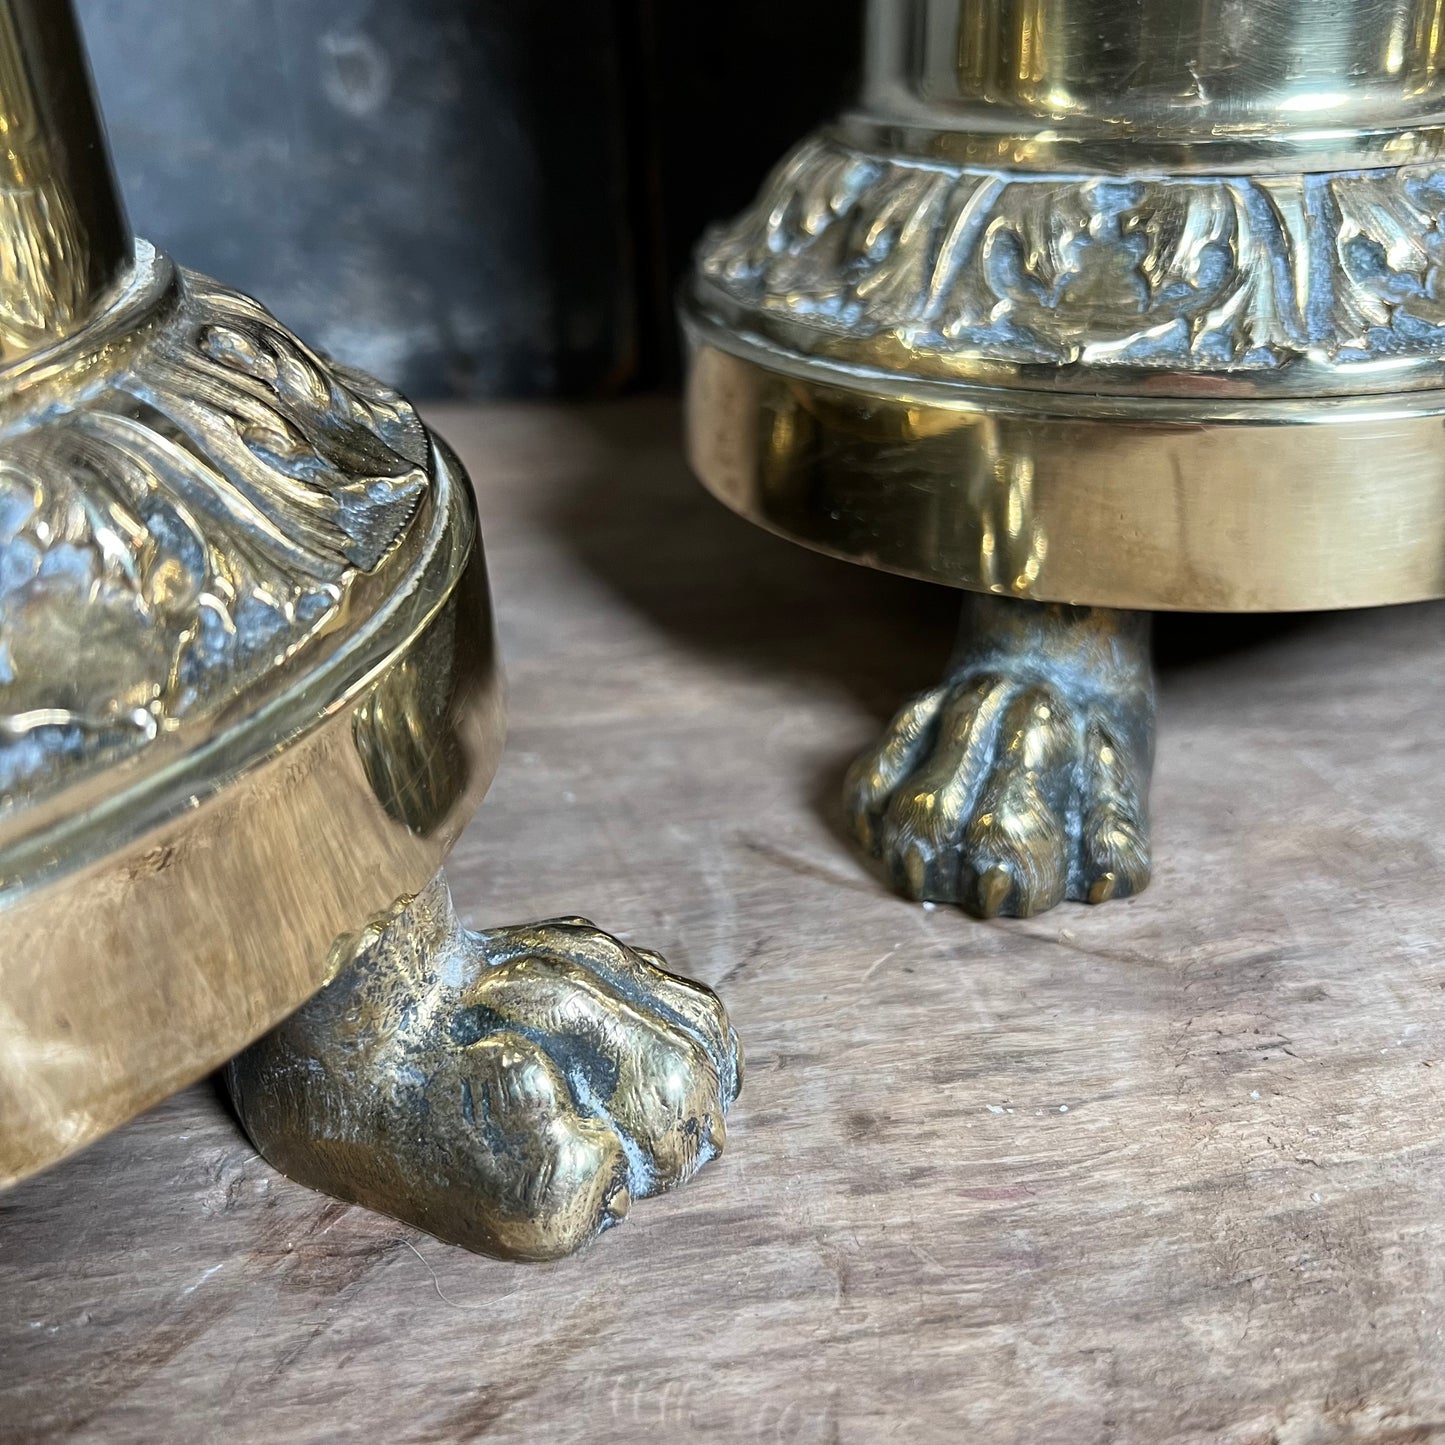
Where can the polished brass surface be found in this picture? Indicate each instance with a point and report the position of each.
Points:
(1023, 778)
(249, 697)
(512, 1090)
(1229, 80)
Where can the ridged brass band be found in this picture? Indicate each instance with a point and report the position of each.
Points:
(131, 964)
(1120, 152)
(1187, 504)
(1170, 84)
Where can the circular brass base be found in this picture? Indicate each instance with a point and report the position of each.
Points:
(1194, 504)
(149, 935)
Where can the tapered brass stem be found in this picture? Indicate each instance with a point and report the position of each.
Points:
(64, 241)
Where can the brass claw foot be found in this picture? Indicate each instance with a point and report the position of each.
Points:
(1023, 779)
(511, 1090)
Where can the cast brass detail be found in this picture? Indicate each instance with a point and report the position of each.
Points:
(187, 496)
(511, 1090)
(1302, 284)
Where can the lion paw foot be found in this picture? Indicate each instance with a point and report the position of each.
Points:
(511, 1090)
(1005, 797)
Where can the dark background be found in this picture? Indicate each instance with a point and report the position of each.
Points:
(467, 197)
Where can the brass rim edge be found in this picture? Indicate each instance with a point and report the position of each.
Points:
(702, 327)
(1118, 151)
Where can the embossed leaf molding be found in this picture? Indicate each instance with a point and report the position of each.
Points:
(177, 523)
(1197, 273)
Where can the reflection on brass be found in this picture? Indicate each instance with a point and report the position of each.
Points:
(1205, 506)
(413, 759)
(249, 697)
(1163, 85)
(511, 1090)
(1123, 304)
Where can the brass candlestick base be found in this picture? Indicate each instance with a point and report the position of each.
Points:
(1127, 304)
(248, 700)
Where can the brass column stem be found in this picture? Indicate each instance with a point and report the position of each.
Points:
(64, 241)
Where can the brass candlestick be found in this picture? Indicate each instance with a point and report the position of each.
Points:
(248, 699)
(1094, 308)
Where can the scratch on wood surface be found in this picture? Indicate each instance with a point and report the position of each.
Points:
(806, 868)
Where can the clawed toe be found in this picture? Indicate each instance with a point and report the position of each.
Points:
(1115, 844)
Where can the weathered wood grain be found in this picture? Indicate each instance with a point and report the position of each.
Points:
(1170, 1170)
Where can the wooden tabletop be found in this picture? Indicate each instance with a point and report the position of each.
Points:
(1167, 1170)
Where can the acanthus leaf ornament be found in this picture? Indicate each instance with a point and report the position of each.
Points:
(952, 270)
(177, 516)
